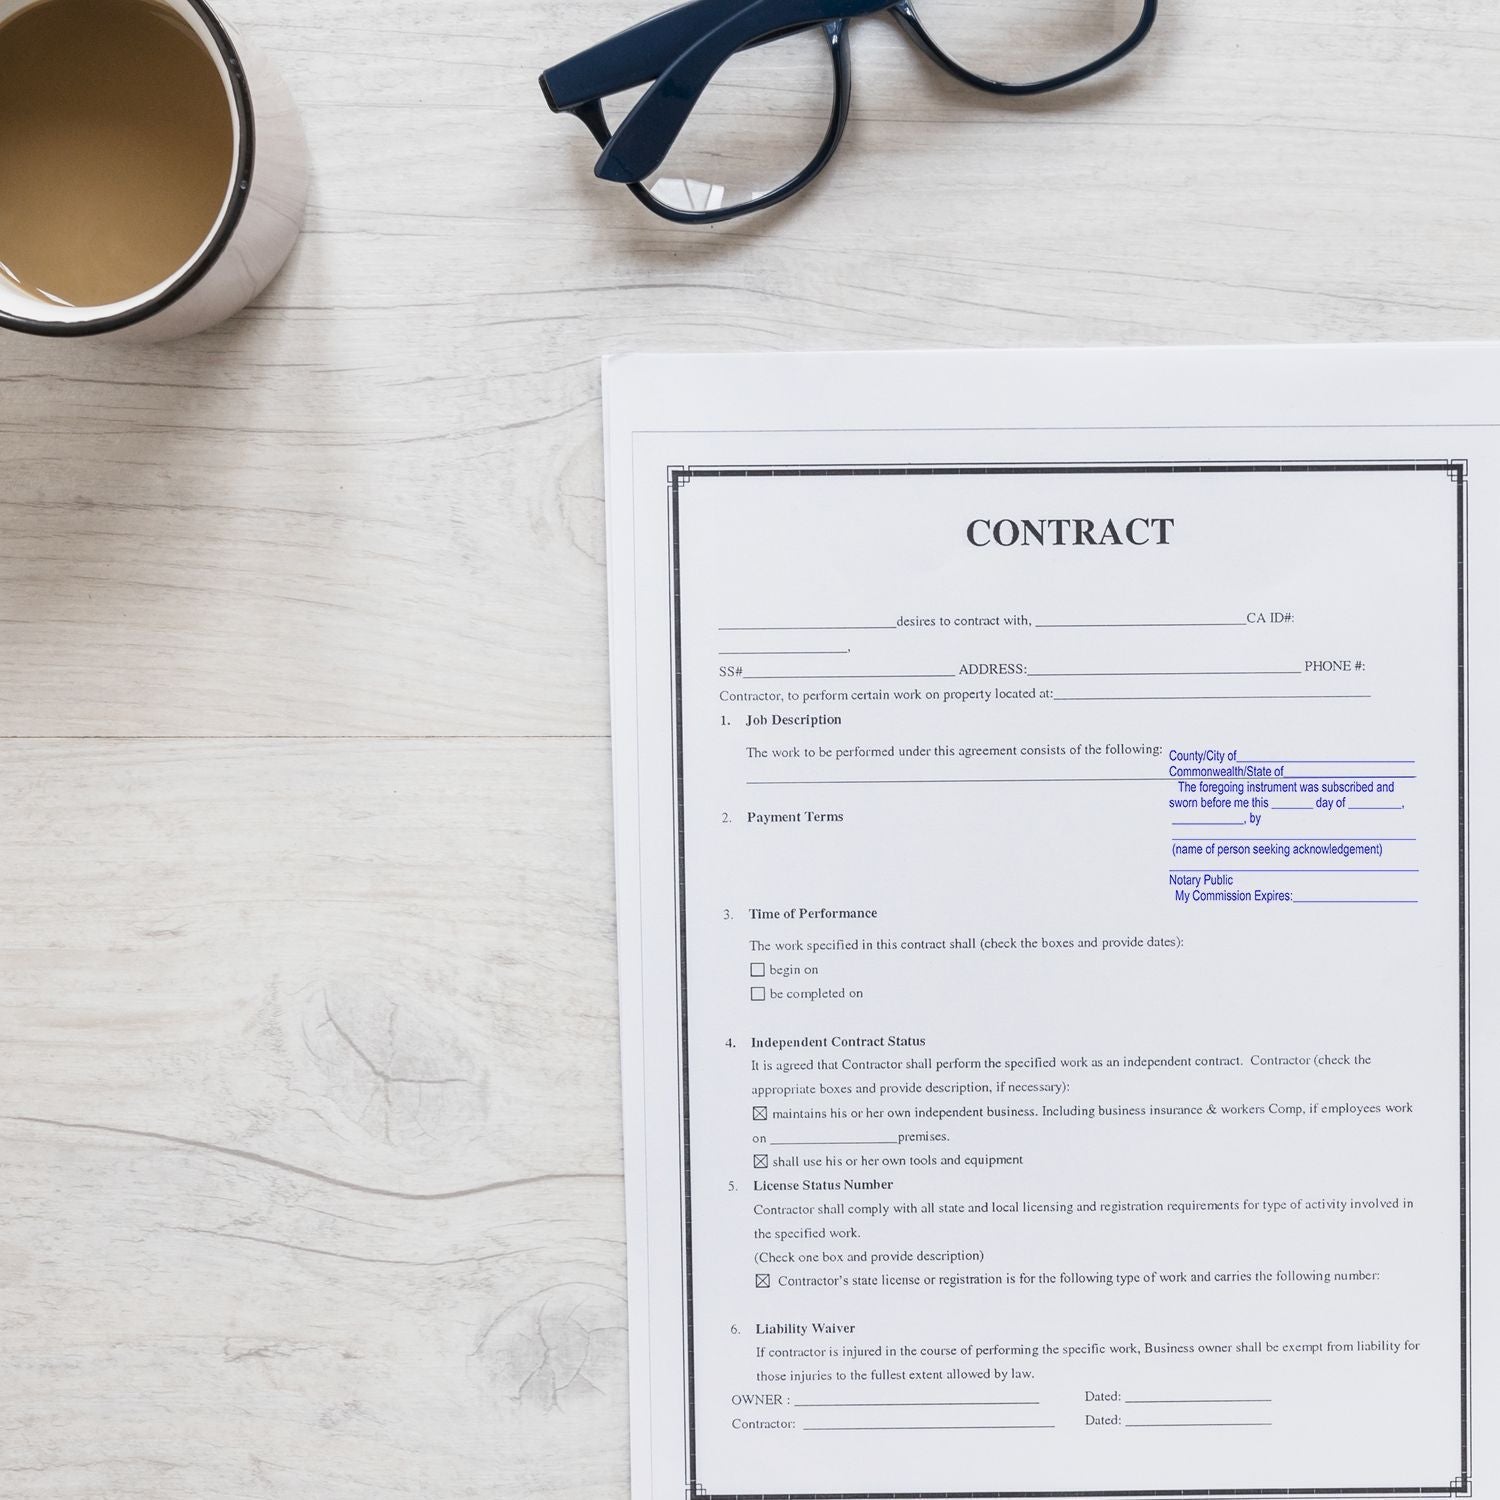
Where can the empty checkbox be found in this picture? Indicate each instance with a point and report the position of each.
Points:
(757, 971)
(757, 992)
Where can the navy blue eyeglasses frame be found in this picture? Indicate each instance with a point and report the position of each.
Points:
(678, 53)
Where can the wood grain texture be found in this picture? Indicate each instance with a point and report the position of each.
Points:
(308, 1121)
(308, 1084)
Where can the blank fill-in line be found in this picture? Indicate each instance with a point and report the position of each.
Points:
(850, 677)
(1350, 901)
(1293, 807)
(1289, 760)
(1198, 1400)
(779, 1144)
(1148, 625)
(965, 1427)
(915, 1403)
(807, 627)
(1295, 870)
(1370, 807)
(1242, 823)
(1218, 698)
(1197, 1424)
(844, 652)
(1279, 672)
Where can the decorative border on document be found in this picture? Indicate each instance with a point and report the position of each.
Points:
(1457, 471)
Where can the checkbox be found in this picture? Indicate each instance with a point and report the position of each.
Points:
(757, 971)
(757, 1111)
(762, 1280)
(761, 1161)
(757, 992)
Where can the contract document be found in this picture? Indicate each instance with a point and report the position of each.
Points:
(1056, 892)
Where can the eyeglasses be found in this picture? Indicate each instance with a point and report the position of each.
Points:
(721, 107)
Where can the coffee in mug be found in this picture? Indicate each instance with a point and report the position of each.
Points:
(152, 174)
(119, 144)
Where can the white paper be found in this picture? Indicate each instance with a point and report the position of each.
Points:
(1054, 867)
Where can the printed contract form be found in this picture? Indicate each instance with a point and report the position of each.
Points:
(1053, 847)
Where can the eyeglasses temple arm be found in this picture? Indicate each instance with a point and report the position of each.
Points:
(645, 136)
(634, 56)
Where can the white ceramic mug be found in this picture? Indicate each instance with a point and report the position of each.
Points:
(257, 223)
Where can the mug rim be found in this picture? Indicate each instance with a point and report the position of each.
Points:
(208, 254)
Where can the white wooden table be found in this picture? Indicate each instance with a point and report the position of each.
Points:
(309, 1150)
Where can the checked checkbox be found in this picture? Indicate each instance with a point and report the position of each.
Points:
(762, 1280)
(757, 1111)
(761, 1161)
